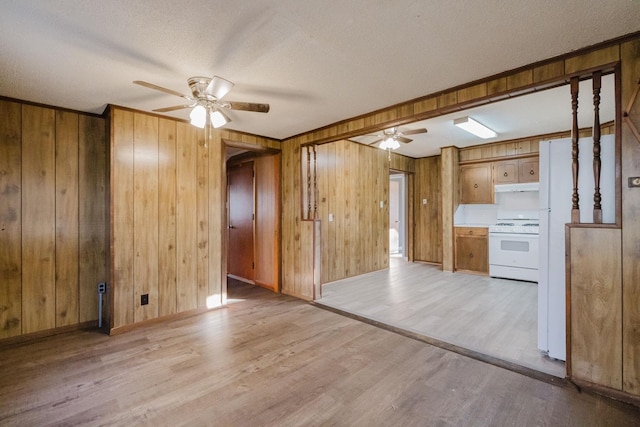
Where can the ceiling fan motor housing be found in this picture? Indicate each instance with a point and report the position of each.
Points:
(199, 87)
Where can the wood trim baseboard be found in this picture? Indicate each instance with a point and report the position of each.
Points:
(19, 339)
(601, 390)
(145, 323)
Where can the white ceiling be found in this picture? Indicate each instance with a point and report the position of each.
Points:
(534, 114)
(315, 62)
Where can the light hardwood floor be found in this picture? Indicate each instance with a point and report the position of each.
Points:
(491, 316)
(269, 359)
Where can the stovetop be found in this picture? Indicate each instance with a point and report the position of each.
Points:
(516, 222)
(525, 228)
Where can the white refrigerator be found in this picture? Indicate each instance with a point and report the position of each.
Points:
(556, 189)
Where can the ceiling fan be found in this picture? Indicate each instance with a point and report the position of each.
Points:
(206, 101)
(392, 137)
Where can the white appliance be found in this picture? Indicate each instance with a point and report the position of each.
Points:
(516, 188)
(513, 246)
(556, 188)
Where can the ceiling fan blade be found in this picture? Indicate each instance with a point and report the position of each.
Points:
(403, 139)
(414, 131)
(174, 108)
(161, 89)
(219, 87)
(376, 141)
(248, 106)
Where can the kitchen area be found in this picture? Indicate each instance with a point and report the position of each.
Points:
(490, 278)
(510, 224)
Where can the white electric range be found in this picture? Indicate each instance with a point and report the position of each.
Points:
(513, 245)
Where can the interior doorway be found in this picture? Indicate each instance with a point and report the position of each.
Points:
(398, 215)
(241, 200)
(251, 241)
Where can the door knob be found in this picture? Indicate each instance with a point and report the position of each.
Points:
(231, 226)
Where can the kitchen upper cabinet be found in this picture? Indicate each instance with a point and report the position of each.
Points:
(472, 250)
(505, 172)
(476, 183)
(528, 170)
(515, 171)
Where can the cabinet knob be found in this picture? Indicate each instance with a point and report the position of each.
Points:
(475, 185)
(506, 174)
(471, 255)
(532, 172)
(470, 231)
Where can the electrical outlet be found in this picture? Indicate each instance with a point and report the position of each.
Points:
(102, 288)
(144, 299)
(634, 181)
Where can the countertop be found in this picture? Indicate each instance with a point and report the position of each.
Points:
(473, 225)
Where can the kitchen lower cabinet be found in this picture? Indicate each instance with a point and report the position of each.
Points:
(472, 250)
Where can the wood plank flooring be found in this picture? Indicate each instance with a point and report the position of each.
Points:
(268, 359)
(491, 316)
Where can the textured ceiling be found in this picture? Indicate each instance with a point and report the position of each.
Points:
(315, 62)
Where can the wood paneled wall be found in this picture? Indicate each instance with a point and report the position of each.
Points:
(353, 180)
(596, 306)
(630, 76)
(428, 217)
(53, 217)
(267, 271)
(167, 216)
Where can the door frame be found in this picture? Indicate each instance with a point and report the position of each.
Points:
(240, 164)
(408, 205)
(247, 151)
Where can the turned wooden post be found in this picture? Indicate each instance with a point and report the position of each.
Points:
(597, 198)
(575, 151)
(315, 184)
(308, 182)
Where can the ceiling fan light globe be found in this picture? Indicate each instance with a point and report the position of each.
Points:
(198, 116)
(218, 119)
(389, 144)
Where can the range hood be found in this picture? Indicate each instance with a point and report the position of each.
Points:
(514, 188)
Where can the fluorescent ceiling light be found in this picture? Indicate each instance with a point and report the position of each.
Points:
(471, 126)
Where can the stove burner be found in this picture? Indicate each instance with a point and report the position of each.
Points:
(505, 224)
(530, 225)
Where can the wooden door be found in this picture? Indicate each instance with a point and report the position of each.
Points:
(241, 216)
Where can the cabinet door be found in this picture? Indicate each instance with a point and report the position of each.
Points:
(505, 172)
(528, 170)
(475, 184)
(472, 254)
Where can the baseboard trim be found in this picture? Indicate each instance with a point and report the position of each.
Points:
(145, 323)
(19, 339)
(601, 390)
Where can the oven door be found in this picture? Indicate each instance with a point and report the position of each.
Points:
(514, 250)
